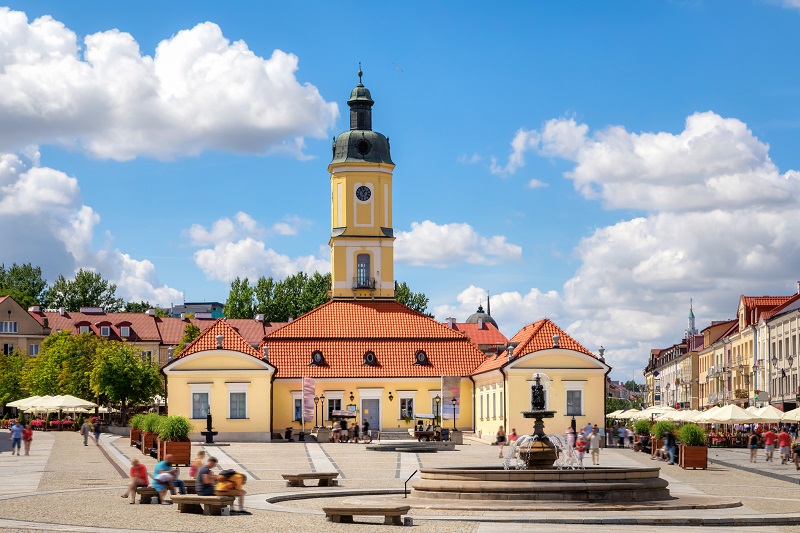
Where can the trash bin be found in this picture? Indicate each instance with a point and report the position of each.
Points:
(445, 434)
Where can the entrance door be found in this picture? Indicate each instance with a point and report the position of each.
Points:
(371, 411)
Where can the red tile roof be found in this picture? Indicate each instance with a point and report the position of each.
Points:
(756, 306)
(533, 338)
(143, 326)
(207, 340)
(343, 330)
(488, 334)
(775, 310)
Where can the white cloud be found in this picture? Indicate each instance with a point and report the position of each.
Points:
(445, 245)
(290, 225)
(45, 222)
(470, 159)
(251, 258)
(199, 91)
(793, 4)
(225, 230)
(536, 184)
(721, 221)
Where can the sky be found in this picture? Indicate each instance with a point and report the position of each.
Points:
(599, 164)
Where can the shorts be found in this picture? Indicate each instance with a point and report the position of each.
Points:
(206, 492)
(16, 442)
(595, 452)
(784, 450)
(769, 448)
(754, 446)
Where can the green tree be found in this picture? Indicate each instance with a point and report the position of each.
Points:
(24, 283)
(632, 386)
(190, 333)
(121, 376)
(11, 366)
(288, 297)
(63, 365)
(88, 289)
(240, 301)
(142, 306)
(415, 300)
(265, 297)
(315, 292)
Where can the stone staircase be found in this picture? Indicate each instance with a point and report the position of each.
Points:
(396, 434)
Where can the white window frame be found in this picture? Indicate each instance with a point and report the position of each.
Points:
(406, 396)
(124, 331)
(33, 349)
(105, 331)
(297, 395)
(84, 329)
(9, 326)
(575, 386)
(331, 395)
(199, 388)
(238, 388)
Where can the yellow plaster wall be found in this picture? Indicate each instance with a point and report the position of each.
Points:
(390, 410)
(218, 370)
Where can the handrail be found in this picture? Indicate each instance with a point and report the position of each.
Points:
(405, 485)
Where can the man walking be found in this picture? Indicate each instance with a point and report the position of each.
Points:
(86, 428)
(784, 440)
(594, 446)
(769, 443)
(669, 443)
(16, 437)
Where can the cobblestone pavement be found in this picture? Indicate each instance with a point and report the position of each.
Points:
(65, 486)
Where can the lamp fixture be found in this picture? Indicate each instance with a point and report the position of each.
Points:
(316, 400)
(741, 369)
(390, 396)
(454, 401)
(351, 396)
(774, 360)
(790, 360)
(437, 399)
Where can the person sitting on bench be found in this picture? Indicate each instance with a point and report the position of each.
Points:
(231, 483)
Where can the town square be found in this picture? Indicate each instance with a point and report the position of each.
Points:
(544, 274)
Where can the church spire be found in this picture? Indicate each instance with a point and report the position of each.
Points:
(691, 329)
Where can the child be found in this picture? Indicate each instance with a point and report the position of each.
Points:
(580, 447)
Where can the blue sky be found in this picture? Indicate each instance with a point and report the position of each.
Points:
(596, 163)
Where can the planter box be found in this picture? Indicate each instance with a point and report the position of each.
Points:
(136, 434)
(693, 456)
(148, 442)
(655, 446)
(181, 451)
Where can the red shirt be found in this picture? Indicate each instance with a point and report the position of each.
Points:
(784, 439)
(27, 434)
(139, 472)
(769, 437)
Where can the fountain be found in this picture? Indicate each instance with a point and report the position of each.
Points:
(536, 477)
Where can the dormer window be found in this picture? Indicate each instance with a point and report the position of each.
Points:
(317, 359)
(370, 359)
(84, 329)
(125, 332)
(105, 331)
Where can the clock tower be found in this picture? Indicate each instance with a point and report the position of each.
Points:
(362, 239)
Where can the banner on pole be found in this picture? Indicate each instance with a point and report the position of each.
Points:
(451, 388)
(309, 386)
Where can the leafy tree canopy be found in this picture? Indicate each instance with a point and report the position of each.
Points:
(11, 366)
(88, 289)
(190, 333)
(63, 365)
(24, 283)
(142, 306)
(415, 300)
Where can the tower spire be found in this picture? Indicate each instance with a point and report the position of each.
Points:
(691, 329)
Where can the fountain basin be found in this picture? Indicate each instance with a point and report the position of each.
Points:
(613, 484)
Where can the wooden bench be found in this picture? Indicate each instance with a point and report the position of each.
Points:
(344, 514)
(207, 505)
(326, 479)
(146, 494)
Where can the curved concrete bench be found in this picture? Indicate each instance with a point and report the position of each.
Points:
(326, 479)
(207, 505)
(344, 513)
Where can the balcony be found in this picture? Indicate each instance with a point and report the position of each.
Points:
(364, 283)
(741, 393)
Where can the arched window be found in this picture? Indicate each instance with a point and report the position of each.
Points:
(362, 271)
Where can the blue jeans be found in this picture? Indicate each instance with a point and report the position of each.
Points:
(671, 452)
(16, 442)
(180, 485)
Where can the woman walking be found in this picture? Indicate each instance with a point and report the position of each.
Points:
(501, 440)
(27, 438)
(752, 443)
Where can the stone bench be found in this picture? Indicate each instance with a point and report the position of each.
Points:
(326, 479)
(344, 514)
(146, 494)
(207, 505)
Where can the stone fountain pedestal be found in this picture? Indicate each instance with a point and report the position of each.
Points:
(541, 454)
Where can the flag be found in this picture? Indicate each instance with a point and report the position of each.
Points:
(451, 388)
(309, 386)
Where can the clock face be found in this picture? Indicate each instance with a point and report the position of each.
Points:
(363, 193)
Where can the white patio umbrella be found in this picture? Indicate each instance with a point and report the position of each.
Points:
(701, 417)
(769, 414)
(687, 416)
(654, 411)
(65, 403)
(629, 414)
(25, 402)
(752, 409)
(731, 414)
(792, 416)
(672, 416)
(613, 414)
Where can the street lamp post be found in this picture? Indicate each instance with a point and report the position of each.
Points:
(775, 366)
(666, 387)
(316, 411)
(454, 401)
(322, 407)
(438, 400)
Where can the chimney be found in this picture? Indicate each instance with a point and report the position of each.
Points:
(183, 316)
(556, 338)
(266, 354)
(510, 350)
(291, 319)
(602, 352)
(451, 322)
(45, 322)
(798, 287)
(260, 317)
(220, 338)
(170, 353)
(34, 309)
(480, 323)
(62, 311)
(150, 312)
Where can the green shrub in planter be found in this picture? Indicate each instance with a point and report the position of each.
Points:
(137, 421)
(643, 427)
(662, 427)
(174, 428)
(692, 435)
(151, 422)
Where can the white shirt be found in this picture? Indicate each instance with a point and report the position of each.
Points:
(594, 441)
